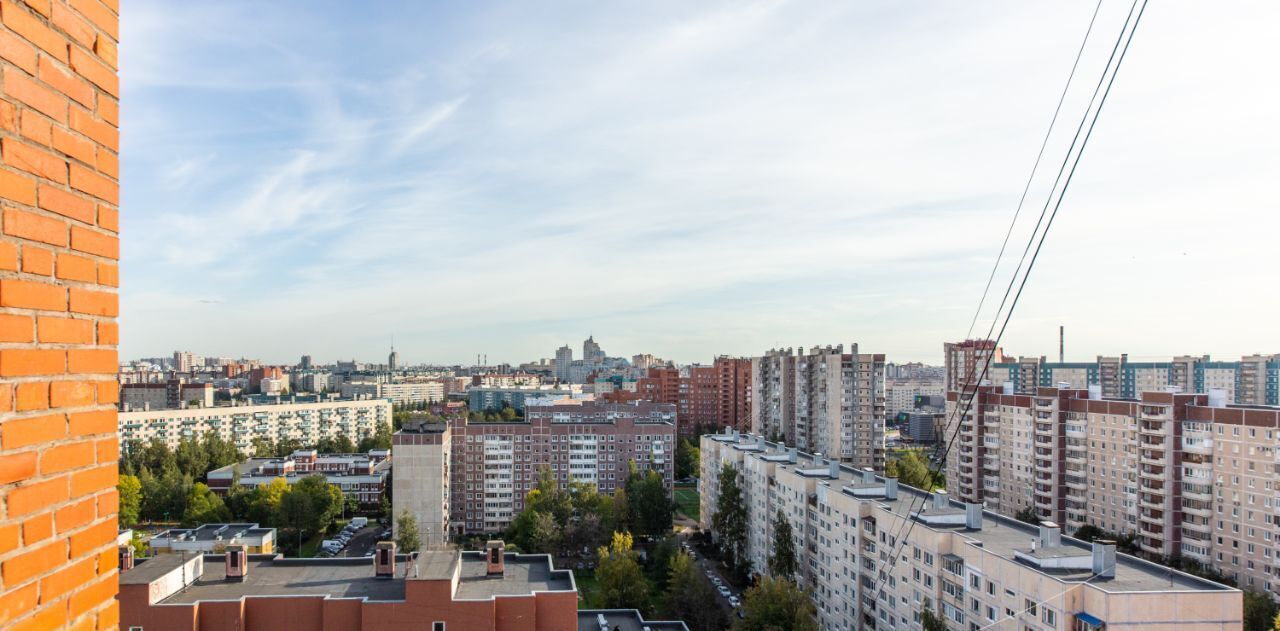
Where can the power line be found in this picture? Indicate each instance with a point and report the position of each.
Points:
(1124, 38)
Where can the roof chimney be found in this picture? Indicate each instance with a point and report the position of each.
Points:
(1104, 558)
(384, 560)
(1050, 535)
(835, 468)
(868, 475)
(495, 551)
(939, 499)
(237, 563)
(891, 488)
(126, 558)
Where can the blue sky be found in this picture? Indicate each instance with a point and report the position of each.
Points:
(684, 179)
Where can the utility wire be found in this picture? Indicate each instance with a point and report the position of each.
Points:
(1124, 40)
(1030, 178)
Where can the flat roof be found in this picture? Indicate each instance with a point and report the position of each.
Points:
(211, 532)
(623, 620)
(999, 535)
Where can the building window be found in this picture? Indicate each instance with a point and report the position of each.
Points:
(437, 626)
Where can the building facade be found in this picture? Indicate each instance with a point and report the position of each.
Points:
(706, 397)
(59, 279)
(824, 400)
(362, 477)
(1187, 475)
(399, 393)
(213, 539)
(423, 453)
(304, 422)
(875, 554)
(495, 464)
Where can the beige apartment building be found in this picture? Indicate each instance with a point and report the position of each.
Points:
(1187, 475)
(822, 401)
(975, 568)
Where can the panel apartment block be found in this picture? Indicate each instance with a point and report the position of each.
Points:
(875, 554)
(59, 169)
(824, 401)
(495, 464)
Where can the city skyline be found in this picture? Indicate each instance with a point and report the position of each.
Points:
(743, 188)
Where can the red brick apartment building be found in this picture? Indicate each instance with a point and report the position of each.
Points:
(711, 397)
(60, 221)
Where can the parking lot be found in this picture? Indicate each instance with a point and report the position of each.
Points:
(729, 598)
(361, 542)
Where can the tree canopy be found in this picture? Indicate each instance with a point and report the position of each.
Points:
(729, 523)
(407, 538)
(622, 582)
(777, 603)
(782, 563)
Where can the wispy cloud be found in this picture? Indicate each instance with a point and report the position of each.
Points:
(683, 179)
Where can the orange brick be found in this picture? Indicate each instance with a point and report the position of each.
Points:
(67, 204)
(67, 579)
(36, 128)
(73, 267)
(8, 115)
(92, 242)
(34, 562)
(75, 515)
(109, 274)
(6, 397)
(108, 450)
(37, 260)
(87, 482)
(17, 466)
(96, 422)
(63, 81)
(18, 602)
(34, 226)
(107, 51)
(55, 330)
(29, 498)
(17, 362)
(72, 394)
(108, 333)
(34, 160)
(24, 294)
(71, 23)
(39, 5)
(37, 528)
(108, 503)
(109, 110)
(52, 617)
(108, 218)
(92, 538)
(91, 360)
(101, 16)
(15, 328)
(22, 54)
(89, 301)
(31, 28)
(8, 256)
(87, 598)
(109, 616)
(24, 432)
(9, 539)
(101, 132)
(81, 149)
(66, 457)
(108, 392)
(44, 100)
(107, 161)
(89, 181)
(17, 188)
(31, 395)
(91, 68)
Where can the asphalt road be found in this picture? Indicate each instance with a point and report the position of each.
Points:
(362, 543)
(706, 566)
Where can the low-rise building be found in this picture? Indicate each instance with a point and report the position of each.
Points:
(875, 554)
(214, 539)
(481, 399)
(360, 476)
(435, 590)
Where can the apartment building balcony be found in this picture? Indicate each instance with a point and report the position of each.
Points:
(1151, 456)
(1158, 411)
(1146, 500)
(1043, 403)
(1075, 431)
(1074, 457)
(1152, 440)
(1197, 535)
(990, 467)
(1075, 483)
(1201, 446)
(1199, 525)
(1043, 440)
(1043, 502)
(1153, 485)
(991, 503)
(1044, 428)
(1151, 544)
(1151, 517)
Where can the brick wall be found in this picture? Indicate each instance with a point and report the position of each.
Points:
(59, 221)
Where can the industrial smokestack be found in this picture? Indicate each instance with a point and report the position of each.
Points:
(1062, 344)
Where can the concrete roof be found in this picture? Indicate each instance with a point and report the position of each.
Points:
(339, 578)
(623, 620)
(147, 570)
(999, 535)
(525, 574)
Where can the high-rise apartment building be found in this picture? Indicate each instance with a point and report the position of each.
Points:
(707, 397)
(963, 361)
(1186, 474)
(564, 361)
(591, 351)
(824, 400)
(423, 455)
(59, 250)
(493, 465)
(875, 554)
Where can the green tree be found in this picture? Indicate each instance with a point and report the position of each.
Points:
(203, 506)
(658, 562)
(407, 539)
(544, 537)
(380, 439)
(263, 448)
(130, 490)
(650, 504)
(782, 563)
(622, 582)
(295, 512)
(688, 594)
(326, 501)
(1259, 611)
(1027, 515)
(931, 621)
(586, 531)
(688, 459)
(729, 523)
(777, 603)
(891, 469)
